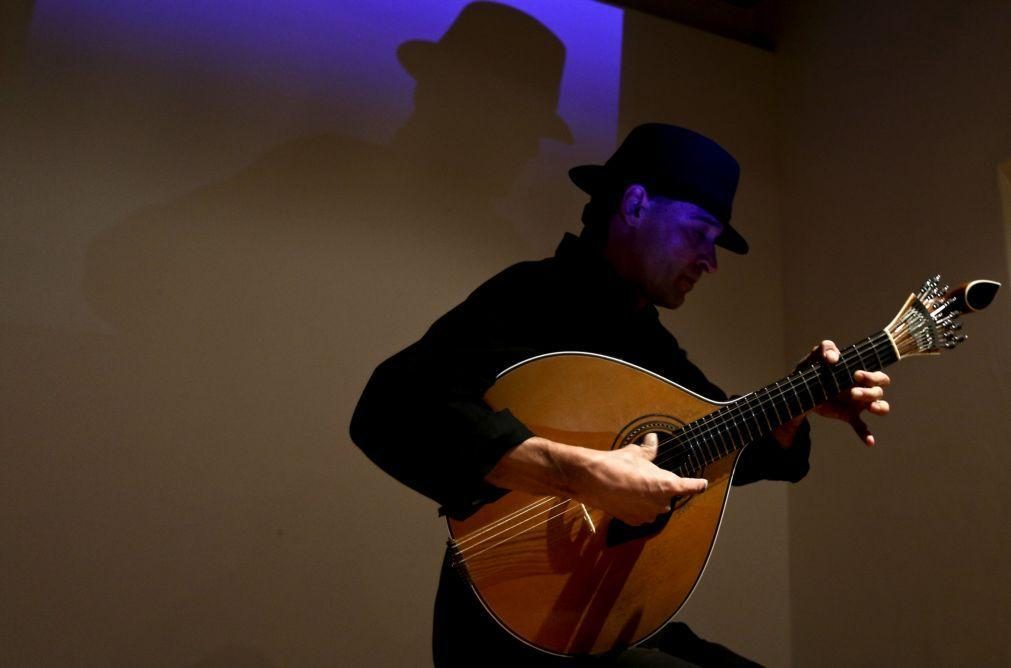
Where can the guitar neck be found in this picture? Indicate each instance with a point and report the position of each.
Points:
(755, 415)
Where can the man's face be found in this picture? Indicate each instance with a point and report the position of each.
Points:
(675, 243)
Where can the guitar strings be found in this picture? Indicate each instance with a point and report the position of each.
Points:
(698, 431)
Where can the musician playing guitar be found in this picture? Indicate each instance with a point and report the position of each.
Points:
(658, 209)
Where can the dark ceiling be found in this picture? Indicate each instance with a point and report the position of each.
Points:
(753, 22)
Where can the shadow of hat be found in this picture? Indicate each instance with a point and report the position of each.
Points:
(502, 43)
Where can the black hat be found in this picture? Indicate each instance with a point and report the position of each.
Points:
(676, 163)
(500, 42)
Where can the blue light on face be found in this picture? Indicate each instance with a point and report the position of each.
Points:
(341, 54)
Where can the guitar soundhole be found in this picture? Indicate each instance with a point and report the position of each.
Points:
(666, 458)
(619, 532)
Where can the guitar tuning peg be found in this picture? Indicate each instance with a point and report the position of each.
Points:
(929, 285)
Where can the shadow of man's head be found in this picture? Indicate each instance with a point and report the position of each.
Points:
(486, 92)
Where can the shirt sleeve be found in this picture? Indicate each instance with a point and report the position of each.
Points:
(422, 417)
(766, 459)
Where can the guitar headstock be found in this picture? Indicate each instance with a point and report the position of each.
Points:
(929, 320)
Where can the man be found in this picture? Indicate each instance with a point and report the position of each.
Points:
(658, 208)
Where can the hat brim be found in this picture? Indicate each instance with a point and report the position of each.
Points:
(592, 178)
(416, 56)
(422, 58)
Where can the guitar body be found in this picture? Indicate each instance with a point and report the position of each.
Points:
(571, 580)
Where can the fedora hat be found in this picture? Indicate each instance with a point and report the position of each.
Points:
(674, 162)
(500, 43)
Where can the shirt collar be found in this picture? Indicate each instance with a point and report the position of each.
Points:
(597, 276)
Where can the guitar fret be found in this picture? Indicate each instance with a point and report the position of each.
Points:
(768, 423)
(859, 358)
(744, 432)
(779, 420)
(807, 388)
(824, 390)
(709, 452)
(735, 430)
(748, 420)
(722, 442)
(874, 349)
(791, 392)
(701, 442)
(830, 371)
(780, 399)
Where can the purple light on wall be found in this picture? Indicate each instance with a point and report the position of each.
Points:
(341, 54)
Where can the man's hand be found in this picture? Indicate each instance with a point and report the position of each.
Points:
(627, 484)
(867, 394)
(624, 483)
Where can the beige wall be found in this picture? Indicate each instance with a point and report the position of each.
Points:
(898, 117)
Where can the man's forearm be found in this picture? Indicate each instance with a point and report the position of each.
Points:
(540, 466)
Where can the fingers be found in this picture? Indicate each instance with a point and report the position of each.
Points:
(880, 407)
(872, 378)
(860, 427)
(674, 485)
(826, 350)
(637, 492)
(829, 351)
(661, 502)
(871, 391)
(650, 446)
(867, 394)
(681, 486)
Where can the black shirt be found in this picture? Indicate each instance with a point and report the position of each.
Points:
(422, 419)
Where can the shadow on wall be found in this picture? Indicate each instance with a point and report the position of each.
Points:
(310, 237)
(197, 455)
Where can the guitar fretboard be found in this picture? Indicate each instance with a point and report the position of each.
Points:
(754, 416)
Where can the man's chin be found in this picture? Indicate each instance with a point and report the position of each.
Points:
(671, 301)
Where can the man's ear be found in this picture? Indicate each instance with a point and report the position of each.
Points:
(633, 203)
